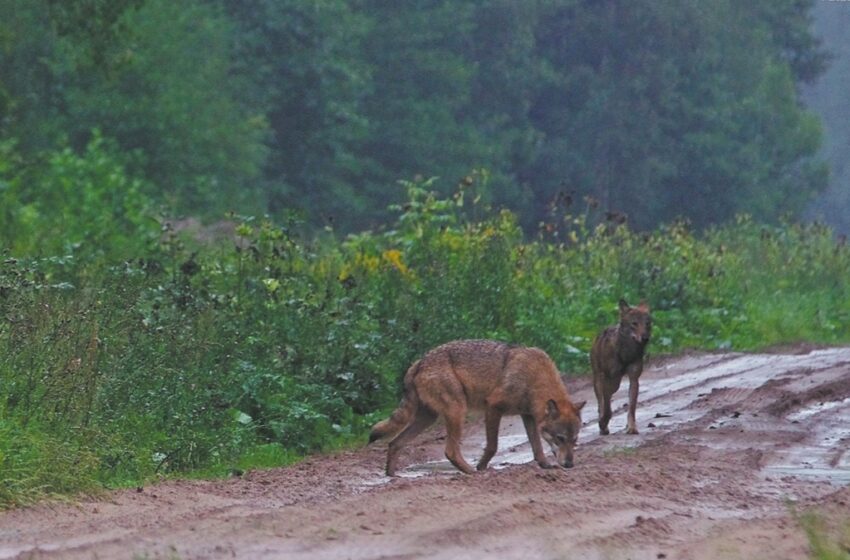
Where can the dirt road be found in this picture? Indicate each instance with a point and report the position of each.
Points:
(729, 445)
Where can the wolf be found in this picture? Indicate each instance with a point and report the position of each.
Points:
(487, 375)
(616, 352)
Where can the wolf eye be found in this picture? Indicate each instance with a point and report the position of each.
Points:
(561, 438)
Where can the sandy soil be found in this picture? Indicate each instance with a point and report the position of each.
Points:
(730, 447)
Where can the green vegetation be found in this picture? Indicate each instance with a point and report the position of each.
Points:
(213, 356)
(659, 109)
(829, 537)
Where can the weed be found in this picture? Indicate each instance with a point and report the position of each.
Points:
(825, 542)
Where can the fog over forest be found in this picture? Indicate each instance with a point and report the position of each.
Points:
(829, 97)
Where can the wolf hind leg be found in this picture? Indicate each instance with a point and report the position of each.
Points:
(454, 432)
(603, 400)
(631, 423)
(492, 419)
(531, 430)
(423, 418)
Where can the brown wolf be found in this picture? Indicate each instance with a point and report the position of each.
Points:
(496, 377)
(618, 351)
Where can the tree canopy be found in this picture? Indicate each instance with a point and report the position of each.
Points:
(654, 109)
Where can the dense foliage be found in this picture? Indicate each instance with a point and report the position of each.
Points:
(250, 350)
(656, 108)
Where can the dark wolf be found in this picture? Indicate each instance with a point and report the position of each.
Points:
(618, 351)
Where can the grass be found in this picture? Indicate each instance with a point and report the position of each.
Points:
(35, 464)
(620, 451)
(829, 539)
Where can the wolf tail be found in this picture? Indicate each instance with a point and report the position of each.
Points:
(402, 415)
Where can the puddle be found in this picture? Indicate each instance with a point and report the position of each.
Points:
(514, 449)
(821, 461)
(817, 408)
(824, 454)
(839, 477)
(47, 548)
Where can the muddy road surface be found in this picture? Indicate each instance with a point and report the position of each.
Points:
(732, 449)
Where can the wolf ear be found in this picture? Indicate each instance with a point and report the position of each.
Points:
(580, 405)
(624, 307)
(552, 409)
(643, 306)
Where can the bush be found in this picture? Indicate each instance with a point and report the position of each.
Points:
(81, 204)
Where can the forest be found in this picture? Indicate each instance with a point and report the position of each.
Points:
(658, 110)
(227, 228)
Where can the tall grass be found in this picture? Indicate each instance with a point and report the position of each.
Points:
(828, 536)
(211, 356)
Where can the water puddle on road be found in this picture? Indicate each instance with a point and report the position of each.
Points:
(839, 477)
(817, 408)
(514, 449)
(824, 454)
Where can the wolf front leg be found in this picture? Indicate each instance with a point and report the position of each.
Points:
(604, 389)
(533, 432)
(492, 419)
(634, 385)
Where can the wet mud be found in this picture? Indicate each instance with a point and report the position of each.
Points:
(731, 448)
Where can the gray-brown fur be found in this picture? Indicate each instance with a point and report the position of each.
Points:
(618, 351)
(492, 376)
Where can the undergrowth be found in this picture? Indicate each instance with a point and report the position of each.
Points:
(181, 356)
(828, 537)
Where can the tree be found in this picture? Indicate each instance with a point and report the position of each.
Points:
(662, 109)
(828, 98)
(30, 96)
(154, 75)
(175, 100)
(311, 80)
(657, 109)
(94, 26)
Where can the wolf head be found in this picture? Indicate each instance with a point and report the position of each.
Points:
(560, 429)
(635, 322)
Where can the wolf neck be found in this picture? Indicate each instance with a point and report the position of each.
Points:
(562, 400)
(551, 388)
(628, 349)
